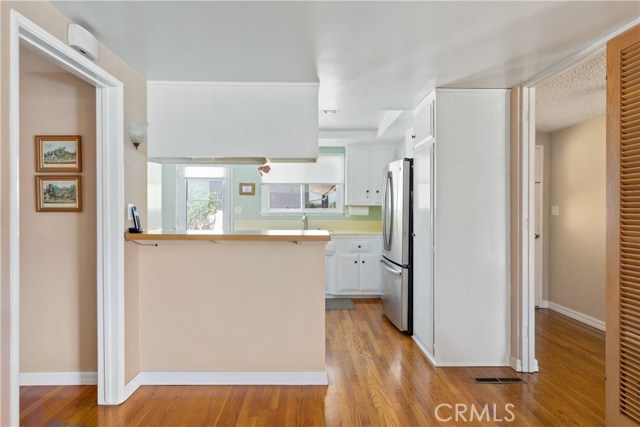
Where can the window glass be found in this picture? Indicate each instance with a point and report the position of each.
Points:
(320, 196)
(204, 203)
(284, 196)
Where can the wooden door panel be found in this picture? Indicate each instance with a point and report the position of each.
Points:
(623, 230)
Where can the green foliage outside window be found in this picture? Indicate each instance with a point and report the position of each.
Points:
(202, 208)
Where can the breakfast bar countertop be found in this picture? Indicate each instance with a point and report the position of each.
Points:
(234, 235)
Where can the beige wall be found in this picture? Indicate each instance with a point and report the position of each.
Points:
(57, 250)
(577, 236)
(544, 140)
(135, 166)
(228, 307)
(132, 311)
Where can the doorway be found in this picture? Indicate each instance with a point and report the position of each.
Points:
(110, 207)
(523, 131)
(58, 335)
(569, 195)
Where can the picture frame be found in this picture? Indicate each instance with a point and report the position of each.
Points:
(58, 153)
(247, 188)
(58, 193)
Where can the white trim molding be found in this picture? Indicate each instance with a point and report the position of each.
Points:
(132, 386)
(576, 315)
(234, 378)
(58, 378)
(516, 364)
(424, 351)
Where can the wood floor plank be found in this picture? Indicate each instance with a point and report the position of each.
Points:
(378, 377)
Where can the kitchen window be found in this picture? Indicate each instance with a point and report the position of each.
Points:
(305, 187)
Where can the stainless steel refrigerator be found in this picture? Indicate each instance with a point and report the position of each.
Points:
(397, 252)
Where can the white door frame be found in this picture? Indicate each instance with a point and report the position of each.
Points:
(110, 207)
(526, 303)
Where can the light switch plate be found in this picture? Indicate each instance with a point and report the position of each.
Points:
(237, 210)
(555, 210)
(129, 206)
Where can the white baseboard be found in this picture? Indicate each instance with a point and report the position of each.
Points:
(132, 386)
(354, 296)
(472, 364)
(179, 378)
(545, 304)
(58, 378)
(516, 364)
(535, 368)
(576, 315)
(423, 349)
(234, 378)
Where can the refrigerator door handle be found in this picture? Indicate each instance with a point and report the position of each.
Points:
(390, 268)
(387, 214)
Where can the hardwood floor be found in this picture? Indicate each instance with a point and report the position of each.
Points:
(378, 377)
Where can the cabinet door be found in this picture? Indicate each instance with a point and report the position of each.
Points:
(358, 182)
(370, 273)
(424, 120)
(348, 269)
(380, 158)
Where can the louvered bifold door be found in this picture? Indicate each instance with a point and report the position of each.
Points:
(623, 229)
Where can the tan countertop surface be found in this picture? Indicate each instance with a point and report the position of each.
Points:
(236, 235)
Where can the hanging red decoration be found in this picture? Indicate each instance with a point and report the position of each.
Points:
(264, 169)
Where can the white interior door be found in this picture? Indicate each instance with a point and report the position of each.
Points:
(538, 211)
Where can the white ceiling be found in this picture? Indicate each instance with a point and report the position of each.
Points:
(366, 55)
(573, 96)
(350, 120)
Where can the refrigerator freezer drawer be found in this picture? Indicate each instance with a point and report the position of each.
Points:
(395, 294)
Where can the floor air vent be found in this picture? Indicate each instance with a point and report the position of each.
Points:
(494, 380)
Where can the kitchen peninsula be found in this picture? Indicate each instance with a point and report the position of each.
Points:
(233, 307)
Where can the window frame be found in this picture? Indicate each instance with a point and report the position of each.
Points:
(266, 210)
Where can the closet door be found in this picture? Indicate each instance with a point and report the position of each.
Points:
(623, 230)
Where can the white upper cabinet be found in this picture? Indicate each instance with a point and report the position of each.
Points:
(213, 120)
(365, 169)
(424, 121)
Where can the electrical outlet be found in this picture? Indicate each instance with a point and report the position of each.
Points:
(129, 216)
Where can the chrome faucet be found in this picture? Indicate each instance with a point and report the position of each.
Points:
(305, 221)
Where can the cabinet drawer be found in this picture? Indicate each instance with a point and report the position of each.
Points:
(360, 246)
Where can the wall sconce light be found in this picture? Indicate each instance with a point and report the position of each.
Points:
(137, 132)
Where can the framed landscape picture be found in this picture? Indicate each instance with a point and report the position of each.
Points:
(58, 153)
(58, 193)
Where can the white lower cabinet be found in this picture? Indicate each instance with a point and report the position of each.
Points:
(354, 267)
(369, 279)
(348, 273)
